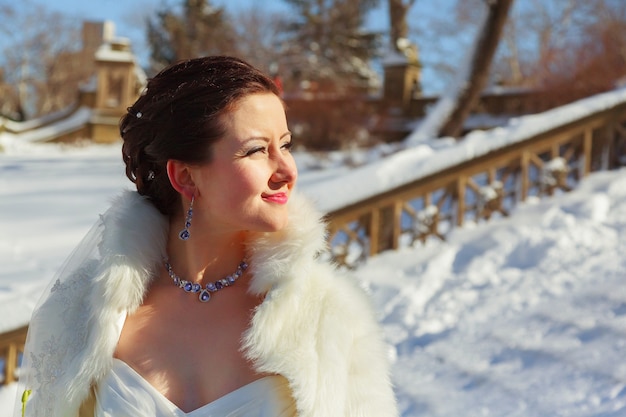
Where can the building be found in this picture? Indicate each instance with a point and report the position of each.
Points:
(116, 82)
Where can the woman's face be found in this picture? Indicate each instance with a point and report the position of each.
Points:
(249, 180)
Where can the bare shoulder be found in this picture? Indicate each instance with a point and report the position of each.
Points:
(188, 350)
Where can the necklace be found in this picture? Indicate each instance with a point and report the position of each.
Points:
(204, 294)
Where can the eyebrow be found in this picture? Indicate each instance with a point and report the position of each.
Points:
(287, 133)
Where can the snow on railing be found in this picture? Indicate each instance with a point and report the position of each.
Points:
(487, 173)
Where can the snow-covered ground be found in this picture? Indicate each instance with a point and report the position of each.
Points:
(522, 316)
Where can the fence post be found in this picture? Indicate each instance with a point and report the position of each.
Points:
(374, 230)
(11, 363)
(525, 172)
(397, 223)
(461, 184)
(587, 147)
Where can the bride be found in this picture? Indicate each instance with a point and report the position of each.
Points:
(201, 293)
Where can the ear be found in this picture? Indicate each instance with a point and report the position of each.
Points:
(180, 177)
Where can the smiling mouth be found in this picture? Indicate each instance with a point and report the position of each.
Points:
(279, 198)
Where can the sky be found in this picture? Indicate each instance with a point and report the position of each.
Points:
(129, 18)
(119, 11)
(523, 316)
(127, 15)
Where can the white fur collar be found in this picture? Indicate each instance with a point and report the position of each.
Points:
(305, 303)
(135, 234)
(277, 257)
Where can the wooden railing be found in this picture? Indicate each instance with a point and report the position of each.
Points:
(11, 346)
(475, 190)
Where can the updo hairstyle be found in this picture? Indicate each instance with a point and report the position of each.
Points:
(178, 116)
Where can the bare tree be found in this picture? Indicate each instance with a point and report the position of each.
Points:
(567, 49)
(40, 60)
(592, 59)
(258, 37)
(478, 71)
(199, 29)
(449, 113)
(507, 66)
(534, 39)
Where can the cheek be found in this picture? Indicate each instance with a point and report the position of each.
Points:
(250, 179)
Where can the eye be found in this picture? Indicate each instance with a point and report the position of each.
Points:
(287, 145)
(255, 150)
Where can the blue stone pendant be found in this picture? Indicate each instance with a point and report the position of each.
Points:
(204, 296)
(184, 234)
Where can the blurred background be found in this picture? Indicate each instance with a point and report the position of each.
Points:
(390, 59)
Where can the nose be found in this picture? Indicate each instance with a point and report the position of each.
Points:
(285, 170)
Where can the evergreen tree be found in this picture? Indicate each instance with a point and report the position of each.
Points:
(326, 46)
(199, 29)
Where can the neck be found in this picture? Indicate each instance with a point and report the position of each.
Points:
(205, 256)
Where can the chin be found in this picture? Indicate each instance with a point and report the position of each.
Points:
(274, 220)
(275, 224)
(276, 227)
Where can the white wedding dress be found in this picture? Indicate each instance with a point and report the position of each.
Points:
(125, 393)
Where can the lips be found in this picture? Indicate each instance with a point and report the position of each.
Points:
(278, 198)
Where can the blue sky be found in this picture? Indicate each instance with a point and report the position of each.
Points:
(129, 17)
(126, 14)
(119, 10)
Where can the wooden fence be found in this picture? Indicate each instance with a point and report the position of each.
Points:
(11, 346)
(475, 190)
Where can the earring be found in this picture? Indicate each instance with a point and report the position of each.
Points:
(184, 234)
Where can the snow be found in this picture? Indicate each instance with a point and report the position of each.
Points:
(40, 130)
(118, 50)
(19, 127)
(523, 316)
(520, 316)
(418, 161)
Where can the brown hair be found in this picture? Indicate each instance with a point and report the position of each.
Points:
(178, 116)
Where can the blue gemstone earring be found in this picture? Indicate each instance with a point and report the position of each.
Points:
(184, 234)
